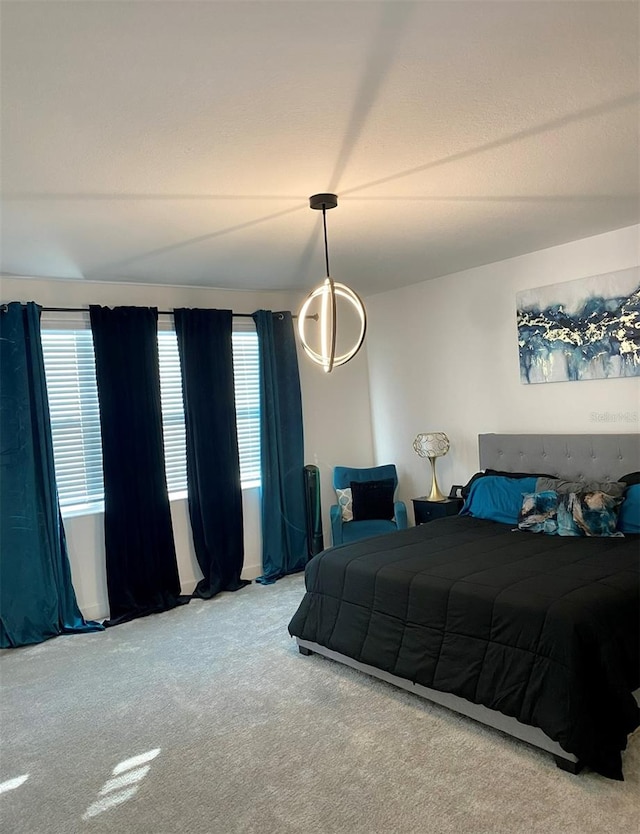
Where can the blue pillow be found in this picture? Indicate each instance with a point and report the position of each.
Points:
(497, 498)
(629, 516)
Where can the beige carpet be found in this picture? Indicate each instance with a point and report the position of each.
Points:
(207, 720)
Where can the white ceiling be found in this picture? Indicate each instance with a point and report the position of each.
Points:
(179, 142)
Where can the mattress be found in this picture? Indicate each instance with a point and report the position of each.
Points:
(544, 629)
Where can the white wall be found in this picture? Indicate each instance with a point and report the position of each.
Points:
(443, 356)
(337, 421)
(329, 402)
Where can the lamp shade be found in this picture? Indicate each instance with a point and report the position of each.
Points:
(432, 444)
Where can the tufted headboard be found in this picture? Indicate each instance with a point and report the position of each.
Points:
(602, 457)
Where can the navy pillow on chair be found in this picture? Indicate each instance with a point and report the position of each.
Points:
(373, 499)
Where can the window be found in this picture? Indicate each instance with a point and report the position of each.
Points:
(175, 455)
(247, 391)
(75, 418)
(247, 385)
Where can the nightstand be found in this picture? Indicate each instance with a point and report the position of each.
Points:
(425, 510)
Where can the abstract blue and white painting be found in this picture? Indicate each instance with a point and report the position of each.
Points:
(583, 329)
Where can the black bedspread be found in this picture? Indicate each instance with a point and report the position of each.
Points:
(542, 628)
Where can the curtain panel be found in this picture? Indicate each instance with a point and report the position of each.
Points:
(284, 535)
(142, 570)
(37, 600)
(213, 461)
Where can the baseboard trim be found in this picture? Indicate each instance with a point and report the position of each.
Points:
(251, 572)
(96, 611)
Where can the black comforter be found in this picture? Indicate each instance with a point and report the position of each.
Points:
(542, 628)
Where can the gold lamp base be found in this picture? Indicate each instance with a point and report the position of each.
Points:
(435, 494)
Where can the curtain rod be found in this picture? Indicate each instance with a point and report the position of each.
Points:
(3, 308)
(86, 310)
(160, 312)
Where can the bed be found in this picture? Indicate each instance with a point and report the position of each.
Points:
(535, 635)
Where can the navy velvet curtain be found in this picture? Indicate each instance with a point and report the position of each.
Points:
(142, 571)
(284, 536)
(213, 461)
(37, 600)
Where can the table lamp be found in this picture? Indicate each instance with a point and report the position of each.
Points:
(432, 445)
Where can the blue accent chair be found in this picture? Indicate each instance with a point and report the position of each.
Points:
(350, 531)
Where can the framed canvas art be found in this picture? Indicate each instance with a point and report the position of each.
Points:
(583, 329)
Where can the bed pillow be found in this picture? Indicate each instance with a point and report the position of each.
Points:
(497, 498)
(539, 512)
(588, 514)
(614, 488)
(373, 499)
(466, 489)
(519, 475)
(345, 502)
(629, 515)
(631, 479)
(499, 473)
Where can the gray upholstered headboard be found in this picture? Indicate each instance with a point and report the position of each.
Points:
(603, 457)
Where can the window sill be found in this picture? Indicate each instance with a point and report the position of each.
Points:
(82, 509)
(98, 508)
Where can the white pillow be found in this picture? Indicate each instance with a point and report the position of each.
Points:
(345, 502)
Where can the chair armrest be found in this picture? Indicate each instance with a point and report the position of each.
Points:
(400, 515)
(335, 516)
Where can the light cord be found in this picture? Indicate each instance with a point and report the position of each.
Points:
(326, 245)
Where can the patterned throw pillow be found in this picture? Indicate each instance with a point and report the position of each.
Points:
(539, 513)
(345, 502)
(588, 514)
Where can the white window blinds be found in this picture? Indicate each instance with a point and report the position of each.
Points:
(75, 421)
(247, 385)
(175, 456)
(75, 417)
(247, 395)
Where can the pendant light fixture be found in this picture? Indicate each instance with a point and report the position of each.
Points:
(326, 296)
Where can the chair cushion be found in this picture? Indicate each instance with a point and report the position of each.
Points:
(373, 499)
(356, 530)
